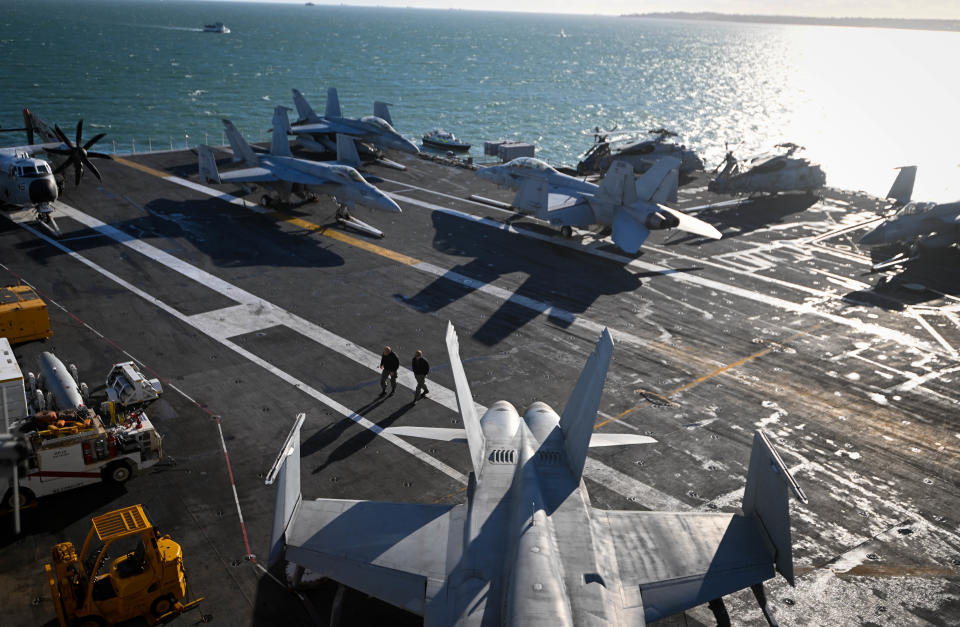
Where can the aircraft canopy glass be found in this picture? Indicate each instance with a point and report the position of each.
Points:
(380, 122)
(530, 163)
(914, 208)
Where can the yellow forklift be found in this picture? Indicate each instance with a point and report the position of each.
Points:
(147, 579)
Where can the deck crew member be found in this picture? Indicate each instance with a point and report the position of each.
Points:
(420, 367)
(389, 363)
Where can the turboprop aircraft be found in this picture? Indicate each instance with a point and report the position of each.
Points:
(286, 175)
(30, 182)
(769, 173)
(527, 548)
(631, 208)
(915, 226)
(313, 132)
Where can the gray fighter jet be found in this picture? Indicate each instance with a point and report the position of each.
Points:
(527, 548)
(286, 175)
(770, 173)
(916, 226)
(640, 153)
(314, 132)
(631, 208)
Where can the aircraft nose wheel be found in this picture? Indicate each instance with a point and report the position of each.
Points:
(566, 232)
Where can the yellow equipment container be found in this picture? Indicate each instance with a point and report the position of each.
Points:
(23, 315)
(146, 580)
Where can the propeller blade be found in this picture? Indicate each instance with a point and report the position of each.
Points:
(93, 168)
(78, 173)
(79, 132)
(28, 122)
(61, 136)
(691, 224)
(95, 139)
(99, 155)
(63, 166)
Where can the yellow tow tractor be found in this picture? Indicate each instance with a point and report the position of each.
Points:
(147, 579)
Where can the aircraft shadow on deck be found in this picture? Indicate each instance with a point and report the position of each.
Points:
(203, 224)
(560, 277)
(751, 215)
(934, 274)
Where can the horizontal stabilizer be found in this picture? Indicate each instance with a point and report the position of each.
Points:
(207, 165)
(659, 183)
(692, 225)
(580, 414)
(429, 433)
(767, 498)
(532, 197)
(285, 471)
(619, 439)
(333, 104)
(902, 188)
(468, 410)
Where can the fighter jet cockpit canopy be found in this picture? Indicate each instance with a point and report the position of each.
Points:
(530, 163)
(916, 208)
(383, 124)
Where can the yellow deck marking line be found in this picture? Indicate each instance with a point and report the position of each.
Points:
(141, 167)
(718, 371)
(346, 239)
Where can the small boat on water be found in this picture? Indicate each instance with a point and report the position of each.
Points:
(444, 140)
(218, 27)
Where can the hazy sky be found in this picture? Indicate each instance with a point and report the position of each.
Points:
(917, 9)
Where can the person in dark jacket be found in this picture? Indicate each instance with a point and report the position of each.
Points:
(389, 363)
(420, 367)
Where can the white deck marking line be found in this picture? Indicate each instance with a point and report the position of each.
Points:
(866, 328)
(212, 332)
(272, 315)
(929, 329)
(633, 490)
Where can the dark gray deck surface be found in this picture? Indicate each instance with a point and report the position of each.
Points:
(254, 317)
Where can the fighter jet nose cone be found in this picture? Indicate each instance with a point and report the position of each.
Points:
(43, 190)
(387, 204)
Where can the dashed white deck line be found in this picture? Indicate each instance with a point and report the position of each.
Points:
(256, 313)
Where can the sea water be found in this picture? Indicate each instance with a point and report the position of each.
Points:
(863, 101)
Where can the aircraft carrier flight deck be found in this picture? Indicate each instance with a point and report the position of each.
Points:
(251, 315)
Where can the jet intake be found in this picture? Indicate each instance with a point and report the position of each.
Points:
(658, 220)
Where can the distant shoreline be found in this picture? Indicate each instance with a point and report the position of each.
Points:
(860, 22)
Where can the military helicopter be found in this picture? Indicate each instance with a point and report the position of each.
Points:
(640, 153)
(29, 182)
(769, 173)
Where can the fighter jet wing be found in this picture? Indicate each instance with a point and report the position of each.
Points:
(317, 128)
(387, 550)
(569, 210)
(249, 175)
(669, 562)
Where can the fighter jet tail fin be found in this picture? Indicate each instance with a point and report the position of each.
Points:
(382, 111)
(279, 143)
(241, 149)
(617, 185)
(333, 104)
(767, 498)
(468, 410)
(207, 165)
(580, 414)
(304, 110)
(659, 183)
(347, 151)
(286, 470)
(902, 188)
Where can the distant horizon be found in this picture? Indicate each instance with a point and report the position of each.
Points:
(822, 9)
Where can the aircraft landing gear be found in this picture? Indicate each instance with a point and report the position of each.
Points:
(566, 232)
(343, 217)
(266, 201)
